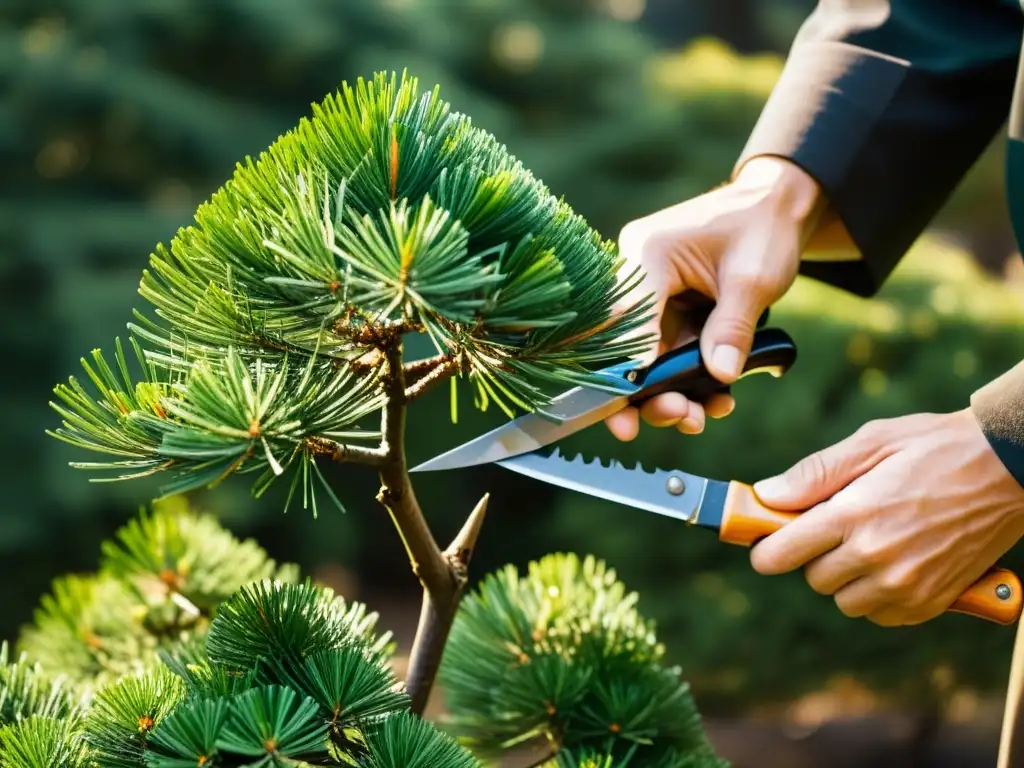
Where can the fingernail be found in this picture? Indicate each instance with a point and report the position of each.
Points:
(772, 488)
(727, 359)
(691, 425)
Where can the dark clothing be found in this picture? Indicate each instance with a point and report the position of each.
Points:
(888, 103)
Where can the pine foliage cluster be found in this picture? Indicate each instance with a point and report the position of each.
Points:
(214, 655)
(211, 655)
(562, 653)
(383, 213)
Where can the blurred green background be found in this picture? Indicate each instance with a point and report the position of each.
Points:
(117, 118)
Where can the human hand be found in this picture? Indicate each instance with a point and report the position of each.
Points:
(738, 245)
(902, 517)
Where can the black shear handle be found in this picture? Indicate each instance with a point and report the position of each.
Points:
(682, 370)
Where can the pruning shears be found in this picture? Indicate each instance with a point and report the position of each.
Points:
(729, 508)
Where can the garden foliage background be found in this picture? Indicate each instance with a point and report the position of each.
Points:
(117, 119)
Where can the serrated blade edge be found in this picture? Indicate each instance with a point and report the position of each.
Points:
(665, 492)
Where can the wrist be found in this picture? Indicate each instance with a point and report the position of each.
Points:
(995, 476)
(790, 192)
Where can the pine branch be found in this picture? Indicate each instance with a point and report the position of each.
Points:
(416, 370)
(396, 492)
(441, 372)
(347, 454)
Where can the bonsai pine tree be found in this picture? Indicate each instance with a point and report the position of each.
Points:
(275, 343)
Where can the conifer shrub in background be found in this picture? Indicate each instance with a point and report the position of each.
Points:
(276, 342)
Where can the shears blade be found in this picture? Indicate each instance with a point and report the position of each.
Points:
(680, 370)
(570, 412)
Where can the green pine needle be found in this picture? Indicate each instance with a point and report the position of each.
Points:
(124, 714)
(277, 625)
(26, 689)
(225, 415)
(633, 758)
(89, 629)
(188, 736)
(39, 741)
(170, 554)
(351, 687)
(272, 722)
(562, 652)
(407, 741)
(203, 680)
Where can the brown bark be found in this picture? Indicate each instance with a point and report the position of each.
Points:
(441, 574)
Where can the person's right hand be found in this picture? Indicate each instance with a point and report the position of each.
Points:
(739, 246)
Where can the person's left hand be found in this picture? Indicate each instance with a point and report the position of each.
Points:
(901, 518)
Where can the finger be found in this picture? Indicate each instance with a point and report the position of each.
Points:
(719, 406)
(806, 538)
(665, 410)
(729, 331)
(860, 598)
(624, 424)
(823, 474)
(693, 422)
(829, 573)
(896, 616)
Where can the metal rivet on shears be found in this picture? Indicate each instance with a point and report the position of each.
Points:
(675, 485)
(1003, 592)
(631, 376)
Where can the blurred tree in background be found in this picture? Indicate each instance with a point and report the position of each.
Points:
(749, 25)
(117, 119)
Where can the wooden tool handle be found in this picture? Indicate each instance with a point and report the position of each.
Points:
(996, 596)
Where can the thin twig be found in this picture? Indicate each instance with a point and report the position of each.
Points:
(460, 551)
(441, 372)
(417, 369)
(348, 454)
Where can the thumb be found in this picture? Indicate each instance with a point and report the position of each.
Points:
(728, 332)
(823, 474)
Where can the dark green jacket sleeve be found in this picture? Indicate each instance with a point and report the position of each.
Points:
(888, 103)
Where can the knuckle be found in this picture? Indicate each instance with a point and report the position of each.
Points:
(893, 583)
(818, 585)
(817, 579)
(868, 550)
(848, 608)
(812, 470)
